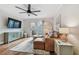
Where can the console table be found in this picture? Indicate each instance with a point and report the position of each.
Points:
(10, 34)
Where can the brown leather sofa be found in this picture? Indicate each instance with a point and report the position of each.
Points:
(39, 43)
(47, 44)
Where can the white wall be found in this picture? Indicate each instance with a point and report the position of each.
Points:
(4, 17)
(70, 18)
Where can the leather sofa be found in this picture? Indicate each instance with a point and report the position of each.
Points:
(39, 43)
(44, 44)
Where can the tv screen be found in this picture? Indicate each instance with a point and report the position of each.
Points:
(12, 23)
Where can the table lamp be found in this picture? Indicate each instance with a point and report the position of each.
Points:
(63, 32)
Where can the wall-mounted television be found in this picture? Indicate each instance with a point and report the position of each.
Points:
(13, 23)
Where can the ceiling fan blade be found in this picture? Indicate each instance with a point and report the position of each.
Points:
(20, 8)
(22, 12)
(33, 13)
(29, 7)
(36, 11)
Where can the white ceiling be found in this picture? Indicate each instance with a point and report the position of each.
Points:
(47, 10)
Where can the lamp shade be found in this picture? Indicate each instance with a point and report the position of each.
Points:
(64, 30)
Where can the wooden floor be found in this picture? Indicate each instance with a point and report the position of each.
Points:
(4, 49)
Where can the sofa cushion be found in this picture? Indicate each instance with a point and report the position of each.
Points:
(39, 39)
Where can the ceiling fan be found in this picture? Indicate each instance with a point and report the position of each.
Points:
(28, 11)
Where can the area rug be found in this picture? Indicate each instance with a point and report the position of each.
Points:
(26, 46)
(41, 52)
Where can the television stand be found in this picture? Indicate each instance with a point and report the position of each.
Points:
(11, 34)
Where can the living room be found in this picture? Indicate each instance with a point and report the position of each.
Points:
(39, 31)
(7, 15)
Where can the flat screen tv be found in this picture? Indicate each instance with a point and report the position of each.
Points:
(13, 23)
